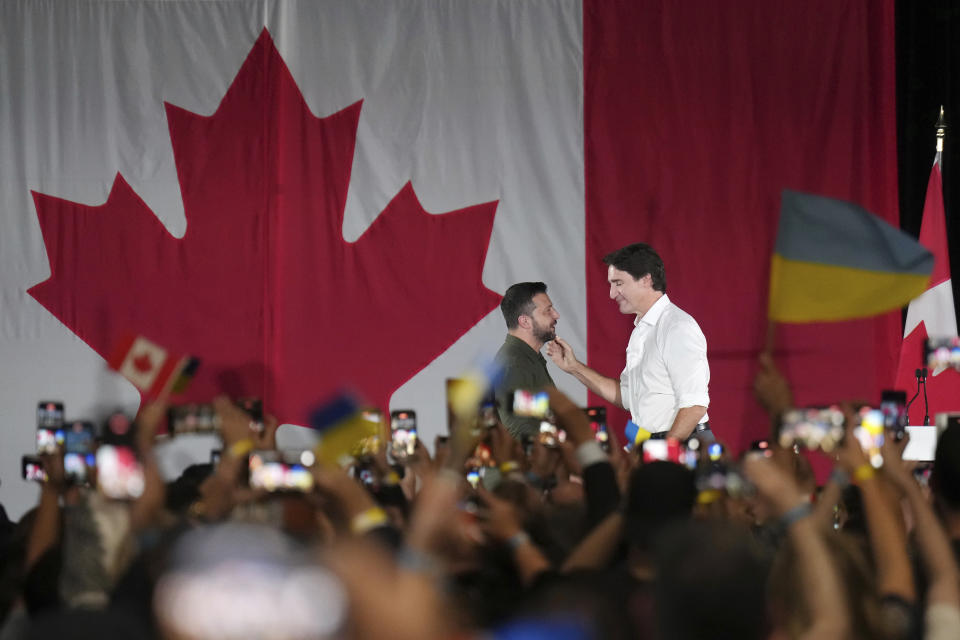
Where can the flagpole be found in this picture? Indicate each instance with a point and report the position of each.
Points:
(941, 134)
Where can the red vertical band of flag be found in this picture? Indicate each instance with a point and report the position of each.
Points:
(932, 314)
(696, 116)
(933, 227)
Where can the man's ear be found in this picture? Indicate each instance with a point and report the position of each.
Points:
(524, 321)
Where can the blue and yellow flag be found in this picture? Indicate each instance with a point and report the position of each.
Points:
(343, 427)
(835, 260)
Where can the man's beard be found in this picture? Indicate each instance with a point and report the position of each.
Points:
(545, 333)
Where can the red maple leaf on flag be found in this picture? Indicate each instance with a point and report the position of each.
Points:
(262, 287)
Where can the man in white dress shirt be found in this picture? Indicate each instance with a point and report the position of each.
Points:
(664, 382)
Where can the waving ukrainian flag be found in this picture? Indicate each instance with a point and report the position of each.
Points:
(835, 260)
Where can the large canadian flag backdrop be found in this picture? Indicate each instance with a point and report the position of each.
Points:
(315, 195)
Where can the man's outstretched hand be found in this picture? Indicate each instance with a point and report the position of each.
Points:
(562, 354)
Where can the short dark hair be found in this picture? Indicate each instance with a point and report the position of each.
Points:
(638, 260)
(717, 567)
(660, 493)
(518, 301)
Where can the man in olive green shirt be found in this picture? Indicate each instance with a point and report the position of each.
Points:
(531, 323)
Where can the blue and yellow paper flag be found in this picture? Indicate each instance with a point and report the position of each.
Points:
(343, 426)
(834, 260)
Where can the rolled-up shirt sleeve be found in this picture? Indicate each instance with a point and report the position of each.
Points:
(685, 355)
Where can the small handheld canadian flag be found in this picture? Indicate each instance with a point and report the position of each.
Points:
(151, 368)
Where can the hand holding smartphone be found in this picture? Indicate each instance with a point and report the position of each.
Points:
(669, 450)
(598, 423)
(530, 404)
(50, 435)
(893, 405)
(870, 434)
(403, 434)
(813, 428)
(278, 471)
(79, 447)
(31, 468)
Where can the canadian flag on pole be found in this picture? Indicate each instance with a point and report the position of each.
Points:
(932, 314)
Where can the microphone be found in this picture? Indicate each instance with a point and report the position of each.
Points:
(919, 374)
(922, 379)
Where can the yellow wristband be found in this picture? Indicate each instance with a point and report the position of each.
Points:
(508, 466)
(393, 478)
(863, 473)
(709, 496)
(370, 519)
(241, 448)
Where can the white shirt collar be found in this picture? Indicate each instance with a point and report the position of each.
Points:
(653, 313)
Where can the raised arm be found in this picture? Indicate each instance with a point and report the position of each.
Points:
(932, 540)
(562, 355)
(819, 580)
(888, 539)
(45, 532)
(148, 505)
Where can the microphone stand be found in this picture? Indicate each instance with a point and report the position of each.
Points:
(918, 374)
(926, 404)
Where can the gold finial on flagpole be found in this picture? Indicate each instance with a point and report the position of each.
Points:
(941, 130)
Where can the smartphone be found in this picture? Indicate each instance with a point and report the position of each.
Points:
(366, 477)
(369, 445)
(532, 404)
(943, 353)
(203, 418)
(194, 418)
(79, 446)
(550, 435)
(50, 436)
(119, 430)
(403, 433)
(598, 422)
(813, 428)
(119, 473)
(870, 433)
(49, 414)
(922, 473)
(76, 467)
(49, 440)
(488, 413)
(690, 455)
(712, 476)
(482, 456)
(715, 451)
(474, 476)
(253, 407)
(31, 468)
(893, 404)
(281, 471)
(722, 477)
(761, 446)
(79, 437)
(669, 449)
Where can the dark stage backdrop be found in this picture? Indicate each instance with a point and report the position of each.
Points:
(928, 64)
(697, 115)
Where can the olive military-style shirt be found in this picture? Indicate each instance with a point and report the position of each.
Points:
(522, 368)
